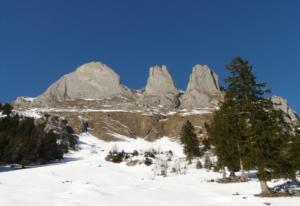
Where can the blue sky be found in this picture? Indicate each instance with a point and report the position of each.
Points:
(42, 40)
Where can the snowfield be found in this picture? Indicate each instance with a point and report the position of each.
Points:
(84, 178)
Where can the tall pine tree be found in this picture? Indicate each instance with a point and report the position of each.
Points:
(190, 142)
(254, 133)
(293, 153)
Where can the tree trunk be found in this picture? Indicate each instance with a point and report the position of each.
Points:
(224, 173)
(232, 174)
(265, 190)
(243, 175)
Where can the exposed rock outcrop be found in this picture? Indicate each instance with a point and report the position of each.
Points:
(203, 89)
(160, 88)
(111, 125)
(96, 81)
(93, 99)
(93, 80)
(282, 104)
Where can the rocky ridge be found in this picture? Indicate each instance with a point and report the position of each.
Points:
(203, 89)
(94, 92)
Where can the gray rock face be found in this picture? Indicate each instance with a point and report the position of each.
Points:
(93, 80)
(160, 88)
(282, 104)
(203, 89)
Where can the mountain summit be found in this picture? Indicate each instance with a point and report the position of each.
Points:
(92, 80)
(97, 81)
(93, 95)
(161, 87)
(203, 89)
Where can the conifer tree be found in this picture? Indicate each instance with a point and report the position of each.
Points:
(190, 142)
(6, 109)
(223, 132)
(49, 149)
(293, 153)
(269, 143)
(247, 129)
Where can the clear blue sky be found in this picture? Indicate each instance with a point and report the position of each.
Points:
(42, 40)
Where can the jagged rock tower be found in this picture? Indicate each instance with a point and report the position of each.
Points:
(160, 88)
(203, 89)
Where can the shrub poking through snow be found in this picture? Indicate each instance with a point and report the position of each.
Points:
(148, 161)
(115, 156)
(151, 153)
(198, 165)
(135, 153)
(190, 142)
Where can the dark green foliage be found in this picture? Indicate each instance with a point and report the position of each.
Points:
(22, 142)
(49, 149)
(206, 144)
(224, 133)
(269, 144)
(148, 161)
(150, 153)
(135, 153)
(190, 142)
(115, 156)
(247, 132)
(6, 109)
(73, 142)
(293, 153)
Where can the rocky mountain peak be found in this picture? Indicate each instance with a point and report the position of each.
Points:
(94, 68)
(202, 88)
(203, 79)
(161, 88)
(98, 74)
(92, 80)
(160, 82)
(282, 104)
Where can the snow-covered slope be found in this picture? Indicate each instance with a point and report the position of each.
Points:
(84, 178)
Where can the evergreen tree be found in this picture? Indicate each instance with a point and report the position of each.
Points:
(49, 149)
(269, 143)
(247, 129)
(28, 142)
(6, 109)
(293, 154)
(224, 132)
(23, 142)
(189, 140)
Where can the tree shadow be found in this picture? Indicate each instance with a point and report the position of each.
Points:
(16, 167)
(252, 175)
(289, 187)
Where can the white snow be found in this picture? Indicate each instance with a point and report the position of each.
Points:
(84, 178)
(29, 99)
(36, 111)
(32, 113)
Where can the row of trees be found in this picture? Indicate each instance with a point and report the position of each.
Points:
(23, 142)
(248, 133)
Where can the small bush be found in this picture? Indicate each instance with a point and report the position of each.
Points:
(198, 165)
(148, 161)
(135, 153)
(151, 154)
(118, 158)
(115, 157)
